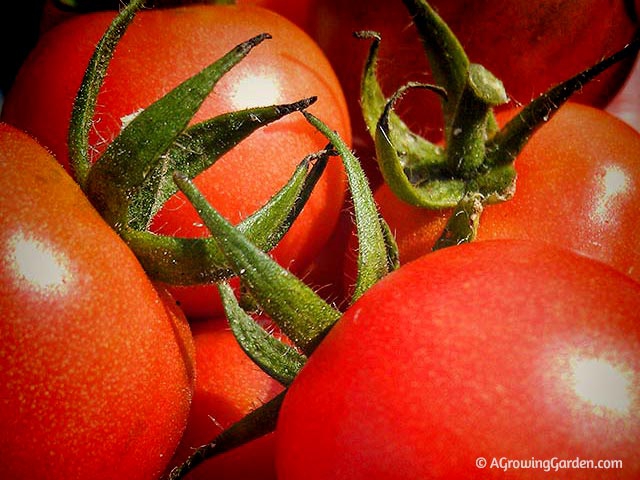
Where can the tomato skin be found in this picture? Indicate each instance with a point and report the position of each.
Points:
(96, 366)
(228, 386)
(578, 186)
(472, 351)
(165, 46)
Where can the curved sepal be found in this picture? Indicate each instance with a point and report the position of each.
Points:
(279, 360)
(415, 149)
(300, 313)
(377, 253)
(427, 182)
(85, 102)
(447, 59)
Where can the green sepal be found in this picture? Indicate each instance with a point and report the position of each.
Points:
(377, 252)
(116, 178)
(418, 172)
(447, 59)
(300, 313)
(415, 150)
(85, 102)
(195, 150)
(279, 360)
(189, 261)
(430, 184)
(256, 424)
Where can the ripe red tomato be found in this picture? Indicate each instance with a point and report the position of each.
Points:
(496, 349)
(165, 46)
(530, 46)
(228, 386)
(96, 366)
(578, 186)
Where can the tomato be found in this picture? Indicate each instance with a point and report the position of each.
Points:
(530, 46)
(96, 365)
(578, 186)
(165, 46)
(505, 349)
(228, 386)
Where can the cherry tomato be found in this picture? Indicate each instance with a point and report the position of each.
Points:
(228, 386)
(578, 186)
(495, 349)
(96, 365)
(165, 46)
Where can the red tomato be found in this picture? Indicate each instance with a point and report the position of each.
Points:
(504, 349)
(529, 45)
(96, 367)
(165, 46)
(578, 186)
(228, 386)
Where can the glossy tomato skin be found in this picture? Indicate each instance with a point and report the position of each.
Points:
(530, 46)
(229, 385)
(578, 186)
(165, 46)
(96, 372)
(494, 349)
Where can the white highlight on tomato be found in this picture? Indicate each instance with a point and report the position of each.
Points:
(38, 265)
(614, 183)
(255, 91)
(602, 384)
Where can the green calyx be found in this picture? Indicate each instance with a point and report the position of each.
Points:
(475, 165)
(132, 179)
